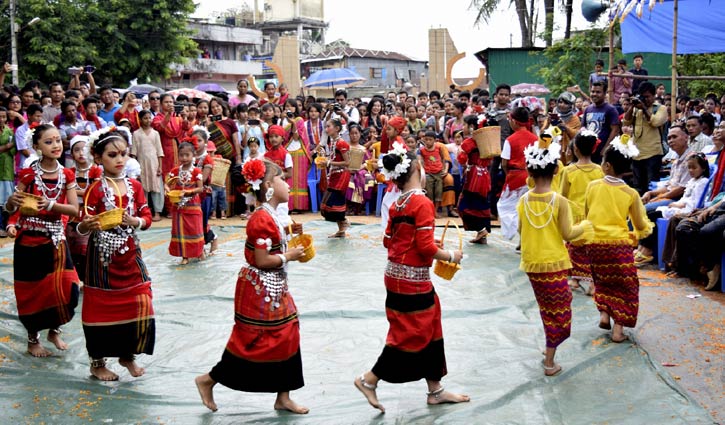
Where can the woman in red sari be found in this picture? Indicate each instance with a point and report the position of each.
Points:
(298, 146)
(171, 128)
(333, 205)
(414, 346)
(118, 317)
(45, 282)
(263, 352)
(187, 226)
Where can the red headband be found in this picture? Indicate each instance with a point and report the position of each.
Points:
(193, 140)
(275, 130)
(397, 123)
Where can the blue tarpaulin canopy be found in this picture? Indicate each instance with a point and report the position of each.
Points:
(699, 28)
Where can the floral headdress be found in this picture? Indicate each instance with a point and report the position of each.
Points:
(253, 172)
(624, 145)
(545, 151)
(193, 140)
(30, 133)
(95, 137)
(585, 132)
(201, 129)
(401, 168)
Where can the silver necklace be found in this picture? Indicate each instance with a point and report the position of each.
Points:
(405, 197)
(548, 208)
(613, 180)
(48, 193)
(43, 170)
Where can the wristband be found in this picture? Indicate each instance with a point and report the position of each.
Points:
(141, 223)
(10, 209)
(283, 258)
(78, 229)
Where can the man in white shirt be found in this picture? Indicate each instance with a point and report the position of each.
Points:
(340, 110)
(697, 139)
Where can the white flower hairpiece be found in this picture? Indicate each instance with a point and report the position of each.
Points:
(93, 137)
(585, 132)
(201, 129)
(543, 152)
(401, 168)
(622, 145)
(29, 136)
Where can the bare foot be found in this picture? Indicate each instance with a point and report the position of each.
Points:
(552, 370)
(54, 337)
(447, 397)
(134, 369)
(214, 247)
(286, 403)
(604, 321)
(184, 262)
(103, 374)
(369, 393)
(37, 350)
(202, 257)
(340, 234)
(205, 385)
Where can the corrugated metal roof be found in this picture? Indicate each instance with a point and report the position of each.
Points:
(363, 53)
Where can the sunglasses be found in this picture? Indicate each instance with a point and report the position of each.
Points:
(154, 98)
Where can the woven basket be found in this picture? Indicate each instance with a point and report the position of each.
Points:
(371, 164)
(112, 218)
(356, 159)
(446, 269)
(219, 172)
(321, 162)
(488, 141)
(29, 206)
(175, 196)
(305, 241)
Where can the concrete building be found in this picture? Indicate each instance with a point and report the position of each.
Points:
(382, 69)
(226, 56)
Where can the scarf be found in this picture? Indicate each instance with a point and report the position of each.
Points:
(565, 116)
(718, 179)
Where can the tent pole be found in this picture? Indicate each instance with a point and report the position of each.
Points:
(674, 90)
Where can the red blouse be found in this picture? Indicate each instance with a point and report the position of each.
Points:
(176, 184)
(263, 233)
(26, 176)
(409, 236)
(97, 204)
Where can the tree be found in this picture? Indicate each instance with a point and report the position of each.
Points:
(122, 39)
(526, 13)
(705, 64)
(568, 62)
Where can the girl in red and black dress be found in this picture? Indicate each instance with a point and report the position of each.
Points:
(334, 205)
(46, 284)
(263, 352)
(187, 224)
(86, 172)
(414, 346)
(473, 205)
(118, 317)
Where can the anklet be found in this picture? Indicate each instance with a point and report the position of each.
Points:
(436, 393)
(97, 363)
(56, 331)
(34, 339)
(366, 385)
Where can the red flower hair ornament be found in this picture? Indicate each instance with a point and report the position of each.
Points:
(193, 140)
(253, 172)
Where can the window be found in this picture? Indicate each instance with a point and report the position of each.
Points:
(412, 75)
(376, 73)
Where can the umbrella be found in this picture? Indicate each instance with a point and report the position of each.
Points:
(144, 89)
(333, 77)
(529, 89)
(211, 87)
(190, 93)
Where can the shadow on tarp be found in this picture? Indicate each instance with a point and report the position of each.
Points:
(493, 337)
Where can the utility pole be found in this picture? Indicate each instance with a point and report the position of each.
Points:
(13, 43)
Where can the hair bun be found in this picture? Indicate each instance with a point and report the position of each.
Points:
(391, 161)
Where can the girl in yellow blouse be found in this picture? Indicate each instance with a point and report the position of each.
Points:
(609, 203)
(574, 181)
(544, 224)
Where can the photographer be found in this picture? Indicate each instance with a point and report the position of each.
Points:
(646, 118)
(75, 80)
(339, 110)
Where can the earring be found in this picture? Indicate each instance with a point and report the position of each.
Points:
(269, 194)
(39, 153)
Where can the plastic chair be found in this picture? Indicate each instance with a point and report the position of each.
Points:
(313, 178)
(706, 192)
(661, 236)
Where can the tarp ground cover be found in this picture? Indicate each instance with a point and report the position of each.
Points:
(491, 324)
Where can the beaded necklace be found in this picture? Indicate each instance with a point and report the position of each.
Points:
(48, 193)
(115, 240)
(613, 180)
(405, 197)
(548, 208)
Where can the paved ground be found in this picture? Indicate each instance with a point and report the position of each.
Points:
(684, 334)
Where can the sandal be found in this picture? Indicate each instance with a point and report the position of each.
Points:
(641, 259)
(481, 237)
(547, 369)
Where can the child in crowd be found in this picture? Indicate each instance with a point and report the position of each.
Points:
(253, 128)
(7, 167)
(205, 162)
(609, 204)
(218, 193)
(45, 283)
(359, 190)
(545, 221)
(187, 234)
(333, 205)
(414, 346)
(514, 165)
(699, 170)
(277, 154)
(393, 132)
(118, 317)
(473, 203)
(86, 173)
(435, 162)
(146, 148)
(575, 179)
(263, 352)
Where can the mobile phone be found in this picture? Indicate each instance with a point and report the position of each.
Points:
(89, 69)
(253, 122)
(215, 118)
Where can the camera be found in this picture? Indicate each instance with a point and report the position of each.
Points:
(89, 69)
(636, 99)
(178, 107)
(336, 107)
(74, 70)
(289, 114)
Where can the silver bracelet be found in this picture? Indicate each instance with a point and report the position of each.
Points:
(78, 229)
(141, 223)
(283, 258)
(50, 205)
(452, 256)
(10, 210)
